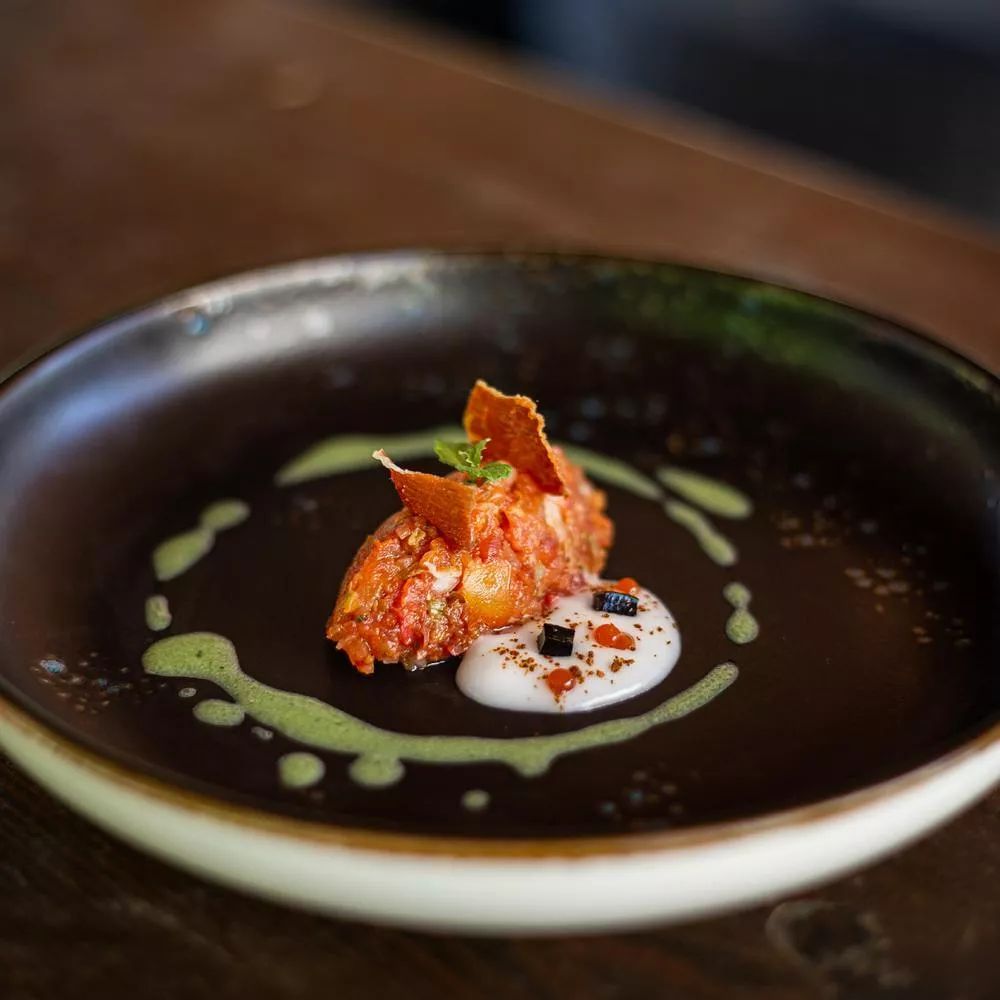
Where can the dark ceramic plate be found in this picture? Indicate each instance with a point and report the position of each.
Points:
(871, 455)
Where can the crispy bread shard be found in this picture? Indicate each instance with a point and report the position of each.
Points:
(447, 503)
(517, 435)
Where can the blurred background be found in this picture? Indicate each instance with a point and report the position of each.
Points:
(905, 90)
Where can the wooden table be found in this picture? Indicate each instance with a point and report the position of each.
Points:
(145, 146)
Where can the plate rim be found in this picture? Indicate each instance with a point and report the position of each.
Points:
(320, 833)
(300, 268)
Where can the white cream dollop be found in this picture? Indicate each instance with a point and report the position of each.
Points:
(505, 670)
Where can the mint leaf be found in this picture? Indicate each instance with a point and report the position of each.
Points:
(476, 452)
(451, 453)
(492, 471)
(468, 458)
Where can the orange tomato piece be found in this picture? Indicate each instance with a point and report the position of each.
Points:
(489, 593)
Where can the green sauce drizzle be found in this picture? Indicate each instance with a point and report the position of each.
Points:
(224, 514)
(713, 543)
(300, 770)
(158, 615)
(475, 800)
(351, 452)
(741, 627)
(178, 554)
(216, 712)
(709, 494)
(380, 752)
(376, 770)
(613, 471)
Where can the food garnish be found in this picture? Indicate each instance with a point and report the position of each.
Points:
(467, 457)
(612, 637)
(555, 640)
(616, 603)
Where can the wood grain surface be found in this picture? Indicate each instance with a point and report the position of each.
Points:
(145, 146)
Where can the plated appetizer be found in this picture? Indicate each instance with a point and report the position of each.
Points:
(495, 543)
(499, 561)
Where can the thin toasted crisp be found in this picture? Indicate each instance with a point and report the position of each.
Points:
(517, 434)
(448, 504)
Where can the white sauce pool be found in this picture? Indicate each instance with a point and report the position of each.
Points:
(505, 670)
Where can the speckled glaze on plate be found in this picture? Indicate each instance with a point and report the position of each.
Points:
(870, 456)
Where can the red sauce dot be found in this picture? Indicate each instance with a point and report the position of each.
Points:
(560, 681)
(626, 585)
(613, 637)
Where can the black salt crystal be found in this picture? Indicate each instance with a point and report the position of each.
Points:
(555, 640)
(615, 602)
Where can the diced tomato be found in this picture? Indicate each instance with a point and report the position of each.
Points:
(411, 607)
(490, 593)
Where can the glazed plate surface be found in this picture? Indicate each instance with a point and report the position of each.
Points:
(872, 553)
